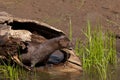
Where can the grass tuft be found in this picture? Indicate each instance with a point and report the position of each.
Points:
(70, 29)
(98, 52)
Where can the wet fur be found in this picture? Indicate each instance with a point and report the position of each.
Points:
(40, 53)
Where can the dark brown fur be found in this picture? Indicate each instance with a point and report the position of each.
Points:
(41, 52)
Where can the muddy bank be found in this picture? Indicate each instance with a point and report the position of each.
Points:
(57, 13)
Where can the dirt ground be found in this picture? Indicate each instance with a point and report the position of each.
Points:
(58, 13)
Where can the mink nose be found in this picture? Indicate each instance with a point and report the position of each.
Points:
(70, 46)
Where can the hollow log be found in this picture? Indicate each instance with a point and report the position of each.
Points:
(16, 36)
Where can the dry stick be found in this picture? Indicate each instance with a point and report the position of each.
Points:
(15, 58)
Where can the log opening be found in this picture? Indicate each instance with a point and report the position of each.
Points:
(37, 28)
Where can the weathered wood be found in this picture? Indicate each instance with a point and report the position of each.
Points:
(14, 42)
